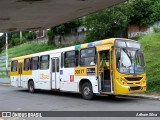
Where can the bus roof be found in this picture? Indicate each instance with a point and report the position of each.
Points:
(76, 47)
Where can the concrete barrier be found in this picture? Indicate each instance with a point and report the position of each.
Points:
(4, 80)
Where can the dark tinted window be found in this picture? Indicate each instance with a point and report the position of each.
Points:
(62, 60)
(34, 63)
(88, 57)
(57, 64)
(14, 66)
(26, 64)
(71, 59)
(44, 62)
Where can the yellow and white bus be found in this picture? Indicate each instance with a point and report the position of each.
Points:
(106, 67)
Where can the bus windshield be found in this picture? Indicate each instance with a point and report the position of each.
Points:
(130, 61)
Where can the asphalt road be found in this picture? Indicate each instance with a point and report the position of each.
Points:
(17, 99)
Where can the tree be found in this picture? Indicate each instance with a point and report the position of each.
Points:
(15, 39)
(114, 21)
(51, 36)
(110, 22)
(62, 29)
(144, 12)
(155, 7)
(2, 42)
(29, 36)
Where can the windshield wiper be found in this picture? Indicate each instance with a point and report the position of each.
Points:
(128, 54)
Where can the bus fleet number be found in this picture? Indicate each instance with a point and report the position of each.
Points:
(79, 71)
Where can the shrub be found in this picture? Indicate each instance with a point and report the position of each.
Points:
(153, 85)
(156, 29)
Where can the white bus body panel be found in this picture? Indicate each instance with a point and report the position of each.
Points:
(43, 81)
(14, 81)
(66, 84)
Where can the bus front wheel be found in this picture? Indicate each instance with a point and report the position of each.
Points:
(87, 91)
(31, 87)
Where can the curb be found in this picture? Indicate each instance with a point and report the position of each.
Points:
(3, 84)
(152, 97)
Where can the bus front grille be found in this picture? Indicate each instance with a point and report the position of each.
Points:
(135, 88)
(133, 79)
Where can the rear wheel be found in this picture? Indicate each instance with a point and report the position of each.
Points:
(87, 91)
(31, 87)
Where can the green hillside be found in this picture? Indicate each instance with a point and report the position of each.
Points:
(24, 49)
(151, 48)
(29, 48)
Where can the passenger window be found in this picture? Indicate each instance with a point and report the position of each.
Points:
(71, 59)
(44, 62)
(62, 60)
(26, 64)
(34, 63)
(88, 57)
(53, 65)
(57, 64)
(14, 66)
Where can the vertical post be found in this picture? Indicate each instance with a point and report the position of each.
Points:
(6, 53)
(20, 37)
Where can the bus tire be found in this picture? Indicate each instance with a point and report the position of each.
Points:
(31, 87)
(87, 92)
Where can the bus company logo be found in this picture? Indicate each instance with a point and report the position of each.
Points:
(44, 76)
(6, 114)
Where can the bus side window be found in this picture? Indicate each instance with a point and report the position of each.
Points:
(71, 59)
(26, 64)
(53, 65)
(88, 57)
(62, 60)
(57, 64)
(14, 66)
(44, 62)
(34, 63)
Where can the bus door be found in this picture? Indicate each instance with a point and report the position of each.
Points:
(104, 70)
(19, 82)
(55, 73)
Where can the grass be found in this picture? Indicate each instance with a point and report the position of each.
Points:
(151, 48)
(30, 48)
(24, 49)
(4, 76)
(4, 70)
(4, 65)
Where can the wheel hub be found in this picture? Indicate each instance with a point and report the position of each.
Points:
(31, 87)
(87, 91)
